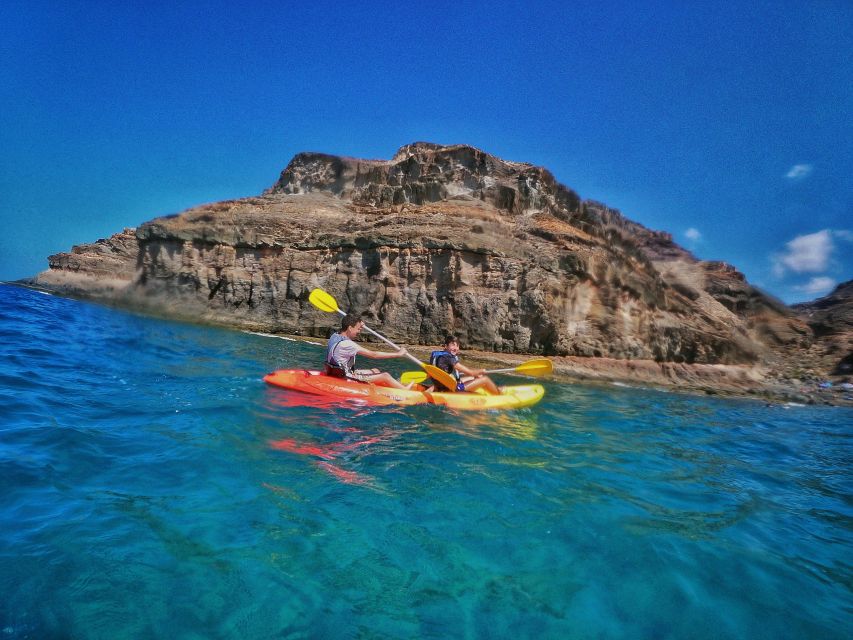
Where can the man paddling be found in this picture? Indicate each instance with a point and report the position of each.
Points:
(342, 350)
(467, 379)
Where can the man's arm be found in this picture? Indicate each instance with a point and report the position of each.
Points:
(380, 355)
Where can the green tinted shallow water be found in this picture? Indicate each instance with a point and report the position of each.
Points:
(152, 486)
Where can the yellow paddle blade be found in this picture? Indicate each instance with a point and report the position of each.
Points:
(441, 376)
(323, 301)
(413, 376)
(537, 367)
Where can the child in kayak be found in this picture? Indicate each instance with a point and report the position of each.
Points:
(342, 350)
(467, 379)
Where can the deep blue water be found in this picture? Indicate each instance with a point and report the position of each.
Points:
(152, 486)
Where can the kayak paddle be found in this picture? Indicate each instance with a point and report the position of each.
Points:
(535, 368)
(324, 301)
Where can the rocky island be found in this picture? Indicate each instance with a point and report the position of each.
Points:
(451, 238)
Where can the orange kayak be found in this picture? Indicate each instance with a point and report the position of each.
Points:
(315, 382)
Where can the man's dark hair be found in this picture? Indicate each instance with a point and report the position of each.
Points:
(350, 320)
(450, 338)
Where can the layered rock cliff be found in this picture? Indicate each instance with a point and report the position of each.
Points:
(438, 239)
(831, 320)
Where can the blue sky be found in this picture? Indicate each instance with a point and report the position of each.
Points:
(725, 124)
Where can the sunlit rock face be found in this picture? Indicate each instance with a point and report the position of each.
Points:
(831, 319)
(438, 239)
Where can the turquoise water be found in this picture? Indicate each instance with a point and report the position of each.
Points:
(152, 486)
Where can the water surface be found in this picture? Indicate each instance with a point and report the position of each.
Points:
(152, 486)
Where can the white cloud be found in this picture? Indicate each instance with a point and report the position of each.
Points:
(844, 234)
(805, 254)
(799, 171)
(693, 234)
(816, 286)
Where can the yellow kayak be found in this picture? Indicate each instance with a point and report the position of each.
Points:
(315, 382)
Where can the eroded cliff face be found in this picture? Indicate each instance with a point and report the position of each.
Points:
(831, 319)
(437, 239)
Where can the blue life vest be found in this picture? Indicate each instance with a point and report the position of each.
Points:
(446, 361)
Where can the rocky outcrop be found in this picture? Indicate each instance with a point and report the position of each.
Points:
(102, 269)
(437, 239)
(831, 320)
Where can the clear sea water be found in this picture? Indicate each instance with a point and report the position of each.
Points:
(151, 486)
